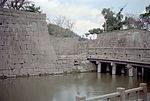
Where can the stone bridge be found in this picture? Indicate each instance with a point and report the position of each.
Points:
(133, 61)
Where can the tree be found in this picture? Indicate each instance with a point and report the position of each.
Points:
(145, 17)
(32, 8)
(69, 24)
(59, 20)
(87, 34)
(64, 22)
(147, 14)
(132, 22)
(95, 31)
(17, 4)
(112, 21)
(2, 3)
(109, 17)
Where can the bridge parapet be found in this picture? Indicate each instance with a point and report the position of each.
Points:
(121, 94)
(121, 53)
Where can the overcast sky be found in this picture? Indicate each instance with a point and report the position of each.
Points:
(87, 13)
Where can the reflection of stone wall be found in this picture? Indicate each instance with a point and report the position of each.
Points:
(25, 47)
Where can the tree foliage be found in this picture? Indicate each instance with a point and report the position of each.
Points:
(87, 34)
(147, 13)
(58, 31)
(133, 22)
(19, 5)
(32, 8)
(16, 4)
(143, 22)
(95, 31)
(116, 21)
(145, 17)
(112, 21)
(2, 3)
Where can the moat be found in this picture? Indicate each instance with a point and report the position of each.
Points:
(64, 87)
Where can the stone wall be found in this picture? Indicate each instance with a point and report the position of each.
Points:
(75, 63)
(25, 47)
(128, 45)
(125, 38)
(65, 46)
(70, 53)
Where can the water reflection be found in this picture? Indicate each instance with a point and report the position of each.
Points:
(63, 87)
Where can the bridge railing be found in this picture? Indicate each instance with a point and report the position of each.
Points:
(121, 94)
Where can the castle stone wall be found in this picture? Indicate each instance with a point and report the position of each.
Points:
(125, 38)
(25, 47)
(128, 45)
(70, 57)
(65, 46)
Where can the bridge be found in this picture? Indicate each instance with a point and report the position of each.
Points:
(126, 60)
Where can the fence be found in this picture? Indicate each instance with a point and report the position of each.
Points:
(121, 93)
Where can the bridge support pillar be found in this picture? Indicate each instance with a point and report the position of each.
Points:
(122, 71)
(130, 70)
(99, 67)
(135, 71)
(113, 68)
(107, 68)
(142, 72)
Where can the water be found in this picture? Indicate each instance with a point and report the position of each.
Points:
(63, 87)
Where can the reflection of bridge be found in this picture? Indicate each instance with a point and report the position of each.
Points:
(131, 61)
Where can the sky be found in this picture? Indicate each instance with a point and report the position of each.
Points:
(86, 14)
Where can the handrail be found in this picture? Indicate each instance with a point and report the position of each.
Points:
(121, 93)
(107, 96)
(133, 90)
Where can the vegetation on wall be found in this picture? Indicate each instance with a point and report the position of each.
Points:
(113, 21)
(24, 5)
(33, 8)
(117, 21)
(95, 31)
(143, 22)
(61, 26)
(64, 22)
(57, 31)
(145, 17)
